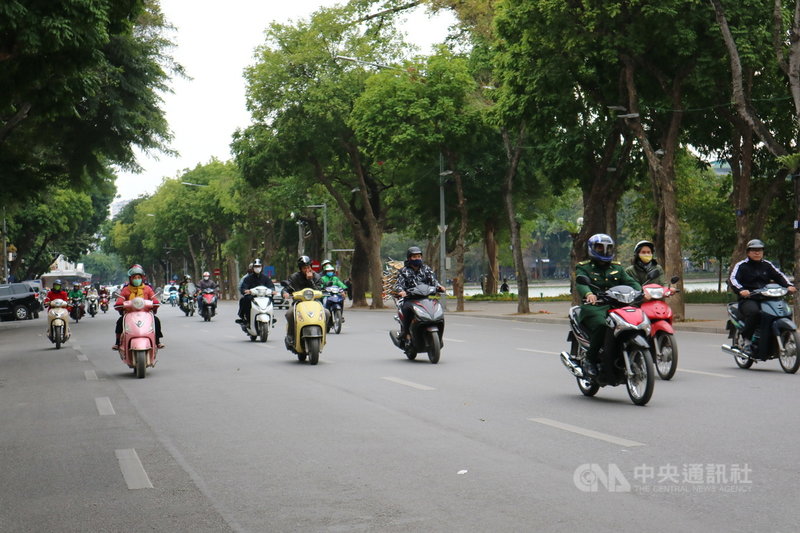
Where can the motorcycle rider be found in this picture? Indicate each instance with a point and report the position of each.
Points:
(749, 274)
(643, 263)
(413, 273)
(304, 278)
(77, 294)
(605, 273)
(253, 279)
(329, 278)
(182, 287)
(56, 292)
(205, 283)
(136, 287)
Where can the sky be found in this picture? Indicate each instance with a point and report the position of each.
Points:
(215, 41)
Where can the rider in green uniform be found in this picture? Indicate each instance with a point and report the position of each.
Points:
(604, 273)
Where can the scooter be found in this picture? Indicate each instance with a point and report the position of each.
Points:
(189, 302)
(173, 296)
(625, 357)
(76, 309)
(427, 325)
(783, 339)
(58, 322)
(261, 314)
(333, 302)
(104, 304)
(310, 322)
(92, 307)
(208, 304)
(137, 344)
(662, 335)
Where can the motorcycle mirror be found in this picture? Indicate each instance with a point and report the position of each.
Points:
(675, 279)
(583, 280)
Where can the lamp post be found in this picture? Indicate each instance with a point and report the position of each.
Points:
(324, 227)
(442, 228)
(5, 249)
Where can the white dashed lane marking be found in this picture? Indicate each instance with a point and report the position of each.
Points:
(104, 407)
(408, 383)
(132, 470)
(587, 432)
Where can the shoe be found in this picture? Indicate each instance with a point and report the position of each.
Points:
(159, 345)
(240, 321)
(115, 347)
(747, 347)
(274, 321)
(342, 319)
(589, 369)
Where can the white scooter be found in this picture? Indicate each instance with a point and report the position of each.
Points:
(57, 322)
(261, 314)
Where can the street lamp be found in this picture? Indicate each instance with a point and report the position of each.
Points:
(193, 184)
(324, 227)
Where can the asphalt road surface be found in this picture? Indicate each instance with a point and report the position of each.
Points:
(225, 434)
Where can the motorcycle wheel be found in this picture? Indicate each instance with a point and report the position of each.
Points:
(434, 348)
(789, 360)
(587, 387)
(337, 321)
(57, 336)
(140, 363)
(263, 331)
(641, 383)
(667, 362)
(312, 348)
(741, 362)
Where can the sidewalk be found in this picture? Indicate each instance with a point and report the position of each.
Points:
(705, 318)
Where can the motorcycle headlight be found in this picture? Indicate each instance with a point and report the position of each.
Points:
(422, 313)
(657, 293)
(138, 303)
(308, 295)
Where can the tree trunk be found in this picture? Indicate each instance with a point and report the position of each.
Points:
(513, 154)
(359, 275)
(490, 242)
(460, 249)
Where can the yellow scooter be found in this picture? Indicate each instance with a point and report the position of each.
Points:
(309, 325)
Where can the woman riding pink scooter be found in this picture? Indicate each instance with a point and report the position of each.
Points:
(136, 288)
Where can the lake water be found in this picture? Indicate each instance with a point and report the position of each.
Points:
(554, 289)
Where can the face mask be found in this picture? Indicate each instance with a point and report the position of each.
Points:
(329, 274)
(56, 288)
(415, 263)
(646, 258)
(205, 278)
(136, 282)
(257, 270)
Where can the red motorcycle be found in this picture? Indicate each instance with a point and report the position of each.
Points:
(137, 344)
(662, 334)
(104, 303)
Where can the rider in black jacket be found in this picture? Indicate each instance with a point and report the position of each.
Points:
(304, 278)
(254, 279)
(748, 275)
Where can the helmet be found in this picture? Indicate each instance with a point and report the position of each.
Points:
(642, 244)
(57, 282)
(135, 269)
(187, 277)
(755, 244)
(328, 268)
(257, 263)
(303, 260)
(600, 247)
(325, 263)
(206, 274)
(413, 250)
(76, 283)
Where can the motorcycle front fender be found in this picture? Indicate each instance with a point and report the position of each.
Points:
(263, 317)
(311, 332)
(783, 324)
(140, 343)
(661, 325)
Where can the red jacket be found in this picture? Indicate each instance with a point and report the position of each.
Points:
(56, 295)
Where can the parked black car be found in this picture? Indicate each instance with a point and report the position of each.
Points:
(18, 301)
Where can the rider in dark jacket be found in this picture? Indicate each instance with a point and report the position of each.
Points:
(254, 279)
(304, 278)
(413, 273)
(750, 274)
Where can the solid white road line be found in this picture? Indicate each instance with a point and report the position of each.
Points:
(587, 432)
(408, 383)
(132, 469)
(91, 375)
(536, 351)
(704, 373)
(82, 358)
(529, 330)
(452, 340)
(104, 407)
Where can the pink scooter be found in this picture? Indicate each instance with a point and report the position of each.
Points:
(137, 344)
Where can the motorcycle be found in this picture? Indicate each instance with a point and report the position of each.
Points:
(783, 339)
(92, 307)
(261, 314)
(427, 324)
(57, 322)
(625, 357)
(309, 325)
(76, 310)
(208, 304)
(189, 301)
(137, 344)
(173, 296)
(662, 335)
(334, 303)
(104, 304)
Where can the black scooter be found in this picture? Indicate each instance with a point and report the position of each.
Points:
(427, 325)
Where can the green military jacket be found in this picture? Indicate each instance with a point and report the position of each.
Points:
(603, 275)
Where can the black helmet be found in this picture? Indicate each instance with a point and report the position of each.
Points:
(755, 244)
(413, 250)
(303, 260)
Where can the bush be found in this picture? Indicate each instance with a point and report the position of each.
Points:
(708, 297)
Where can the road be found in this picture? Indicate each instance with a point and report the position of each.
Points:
(225, 434)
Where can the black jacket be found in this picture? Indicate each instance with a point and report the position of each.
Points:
(254, 280)
(751, 275)
(298, 281)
